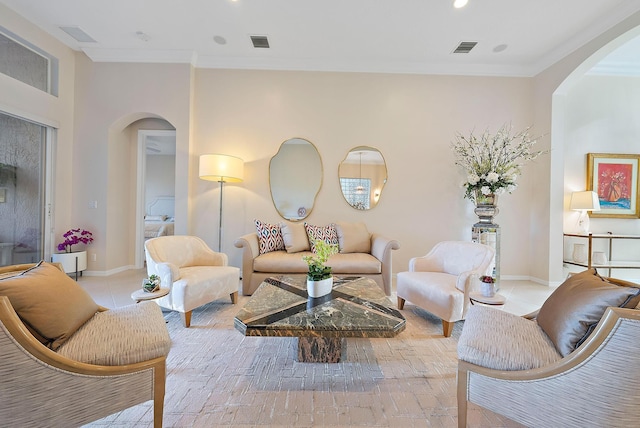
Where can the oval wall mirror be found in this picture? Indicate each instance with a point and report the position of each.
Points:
(363, 174)
(295, 178)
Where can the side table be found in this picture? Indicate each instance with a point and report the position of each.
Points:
(495, 300)
(139, 295)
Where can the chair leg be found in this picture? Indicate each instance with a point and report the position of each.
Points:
(186, 318)
(234, 297)
(462, 397)
(400, 302)
(447, 328)
(159, 381)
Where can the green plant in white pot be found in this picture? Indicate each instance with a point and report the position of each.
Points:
(319, 279)
(151, 284)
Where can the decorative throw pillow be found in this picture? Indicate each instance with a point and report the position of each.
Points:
(269, 237)
(322, 233)
(353, 237)
(49, 303)
(572, 311)
(295, 237)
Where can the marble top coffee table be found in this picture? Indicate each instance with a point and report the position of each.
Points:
(357, 307)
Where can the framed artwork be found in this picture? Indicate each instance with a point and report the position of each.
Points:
(614, 177)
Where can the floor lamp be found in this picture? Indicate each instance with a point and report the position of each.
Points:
(221, 168)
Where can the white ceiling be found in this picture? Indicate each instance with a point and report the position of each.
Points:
(395, 36)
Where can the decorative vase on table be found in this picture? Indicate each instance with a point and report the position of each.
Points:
(486, 207)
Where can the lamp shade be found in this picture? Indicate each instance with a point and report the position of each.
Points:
(586, 200)
(225, 168)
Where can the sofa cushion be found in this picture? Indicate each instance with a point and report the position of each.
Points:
(354, 263)
(126, 335)
(516, 342)
(321, 233)
(269, 237)
(281, 262)
(353, 237)
(295, 237)
(51, 304)
(571, 312)
(278, 262)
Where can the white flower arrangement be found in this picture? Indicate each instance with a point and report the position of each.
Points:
(493, 162)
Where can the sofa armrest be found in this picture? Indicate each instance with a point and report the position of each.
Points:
(250, 250)
(381, 248)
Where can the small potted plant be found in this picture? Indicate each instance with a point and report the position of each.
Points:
(151, 284)
(487, 287)
(319, 279)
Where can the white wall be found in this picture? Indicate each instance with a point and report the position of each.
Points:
(601, 117)
(410, 119)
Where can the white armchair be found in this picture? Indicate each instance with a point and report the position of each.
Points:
(440, 282)
(196, 274)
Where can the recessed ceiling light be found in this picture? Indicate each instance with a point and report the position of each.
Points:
(460, 3)
(500, 48)
(220, 40)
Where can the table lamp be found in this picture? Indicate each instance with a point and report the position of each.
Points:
(583, 202)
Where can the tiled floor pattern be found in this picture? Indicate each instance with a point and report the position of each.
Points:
(218, 377)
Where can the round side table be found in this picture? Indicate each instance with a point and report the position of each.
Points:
(139, 295)
(495, 300)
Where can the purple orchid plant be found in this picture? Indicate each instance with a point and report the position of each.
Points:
(73, 237)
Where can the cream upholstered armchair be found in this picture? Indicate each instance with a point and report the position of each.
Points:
(195, 273)
(65, 361)
(440, 282)
(576, 365)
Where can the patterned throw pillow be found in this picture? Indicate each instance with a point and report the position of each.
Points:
(269, 237)
(323, 233)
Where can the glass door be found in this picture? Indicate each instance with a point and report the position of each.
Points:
(22, 190)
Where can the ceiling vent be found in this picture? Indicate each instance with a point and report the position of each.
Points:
(465, 47)
(260, 42)
(78, 34)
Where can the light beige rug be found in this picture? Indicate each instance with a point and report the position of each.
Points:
(217, 377)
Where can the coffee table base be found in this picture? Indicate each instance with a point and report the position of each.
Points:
(320, 349)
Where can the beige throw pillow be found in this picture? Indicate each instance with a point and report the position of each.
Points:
(572, 311)
(353, 237)
(295, 237)
(52, 305)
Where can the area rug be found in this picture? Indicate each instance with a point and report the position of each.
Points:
(217, 377)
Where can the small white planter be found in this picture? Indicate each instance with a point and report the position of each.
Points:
(319, 288)
(71, 262)
(487, 289)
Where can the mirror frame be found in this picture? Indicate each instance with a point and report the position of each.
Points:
(303, 212)
(375, 193)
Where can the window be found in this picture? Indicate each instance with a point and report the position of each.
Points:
(25, 62)
(356, 191)
(22, 190)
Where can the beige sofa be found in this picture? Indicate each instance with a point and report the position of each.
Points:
(361, 254)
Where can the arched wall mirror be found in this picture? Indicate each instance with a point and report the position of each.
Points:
(363, 174)
(295, 178)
